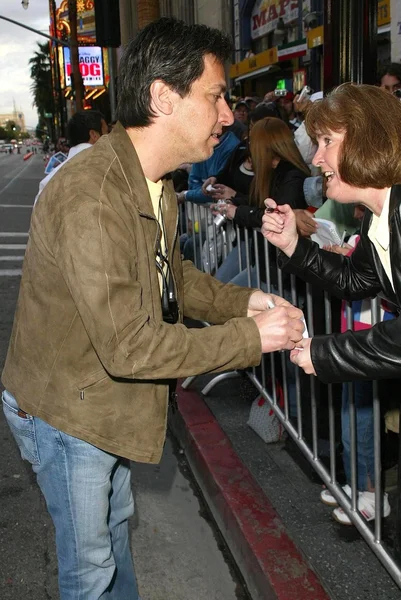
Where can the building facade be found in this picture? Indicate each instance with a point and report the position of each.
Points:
(16, 116)
(277, 42)
(136, 14)
(272, 45)
(282, 41)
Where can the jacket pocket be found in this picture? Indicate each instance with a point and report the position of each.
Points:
(22, 427)
(91, 381)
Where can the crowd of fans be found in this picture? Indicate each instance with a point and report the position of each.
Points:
(267, 153)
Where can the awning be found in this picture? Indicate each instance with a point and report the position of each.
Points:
(269, 69)
(292, 50)
(254, 64)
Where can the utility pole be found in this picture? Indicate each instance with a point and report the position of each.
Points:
(74, 57)
(59, 99)
(147, 11)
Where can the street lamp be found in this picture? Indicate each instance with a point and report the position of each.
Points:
(25, 4)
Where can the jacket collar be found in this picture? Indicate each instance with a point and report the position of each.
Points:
(126, 155)
(395, 199)
(394, 225)
(380, 225)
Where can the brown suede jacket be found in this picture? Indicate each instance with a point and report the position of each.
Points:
(89, 352)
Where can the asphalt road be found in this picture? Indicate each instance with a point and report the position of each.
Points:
(178, 553)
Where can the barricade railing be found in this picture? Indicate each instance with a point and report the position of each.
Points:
(210, 246)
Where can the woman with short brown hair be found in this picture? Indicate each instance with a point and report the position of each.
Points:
(358, 131)
(371, 122)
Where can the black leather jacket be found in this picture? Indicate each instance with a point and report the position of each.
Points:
(362, 355)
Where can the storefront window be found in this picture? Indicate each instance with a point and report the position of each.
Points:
(262, 43)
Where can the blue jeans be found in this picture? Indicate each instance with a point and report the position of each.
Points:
(364, 434)
(88, 495)
(242, 279)
(229, 268)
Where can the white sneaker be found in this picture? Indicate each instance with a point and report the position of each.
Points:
(327, 498)
(366, 506)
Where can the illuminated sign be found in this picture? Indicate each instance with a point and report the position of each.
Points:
(266, 14)
(90, 65)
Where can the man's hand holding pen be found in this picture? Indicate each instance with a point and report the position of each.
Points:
(280, 327)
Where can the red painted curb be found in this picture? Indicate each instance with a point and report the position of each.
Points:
(271, 564)
(28, 155)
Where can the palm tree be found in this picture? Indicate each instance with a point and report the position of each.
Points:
(42, 86)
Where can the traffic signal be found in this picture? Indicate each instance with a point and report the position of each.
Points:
(107, 20)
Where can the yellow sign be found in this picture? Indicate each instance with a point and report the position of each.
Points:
(253, 63)
(315, 37)
(383, 13)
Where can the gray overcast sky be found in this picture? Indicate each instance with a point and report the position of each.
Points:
(17, 46)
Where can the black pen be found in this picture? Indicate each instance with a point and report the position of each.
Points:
(268, 209)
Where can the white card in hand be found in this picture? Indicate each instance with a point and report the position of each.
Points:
(305, 334)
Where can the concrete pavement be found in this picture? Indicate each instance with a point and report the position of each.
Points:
(266, 498)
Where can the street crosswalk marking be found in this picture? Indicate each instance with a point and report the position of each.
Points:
(12, 241)
(10, 258)
(10, 272)
(16, 205)
(7, 234)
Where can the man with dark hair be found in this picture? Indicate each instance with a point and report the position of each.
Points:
(390, 77)
(85, 128)
(167, 55)
(98, 337)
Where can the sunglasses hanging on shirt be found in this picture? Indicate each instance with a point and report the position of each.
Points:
(168, 296)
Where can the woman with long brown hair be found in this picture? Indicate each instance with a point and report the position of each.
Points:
(276, 162)
(279, 173)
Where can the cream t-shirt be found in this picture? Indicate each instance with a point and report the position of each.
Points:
(379, 235)
(156, 195)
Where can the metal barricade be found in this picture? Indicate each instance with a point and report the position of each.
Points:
(290, 288)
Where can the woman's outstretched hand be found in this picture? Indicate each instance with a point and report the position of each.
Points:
(279, 226)
(301, 356)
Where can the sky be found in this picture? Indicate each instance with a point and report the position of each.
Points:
(17, 46)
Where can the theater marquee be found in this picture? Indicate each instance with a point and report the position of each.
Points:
(90, 66)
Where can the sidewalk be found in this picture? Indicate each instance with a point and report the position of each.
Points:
(265, 499)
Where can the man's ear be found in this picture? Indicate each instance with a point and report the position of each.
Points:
(162, 98)
(93, 136)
